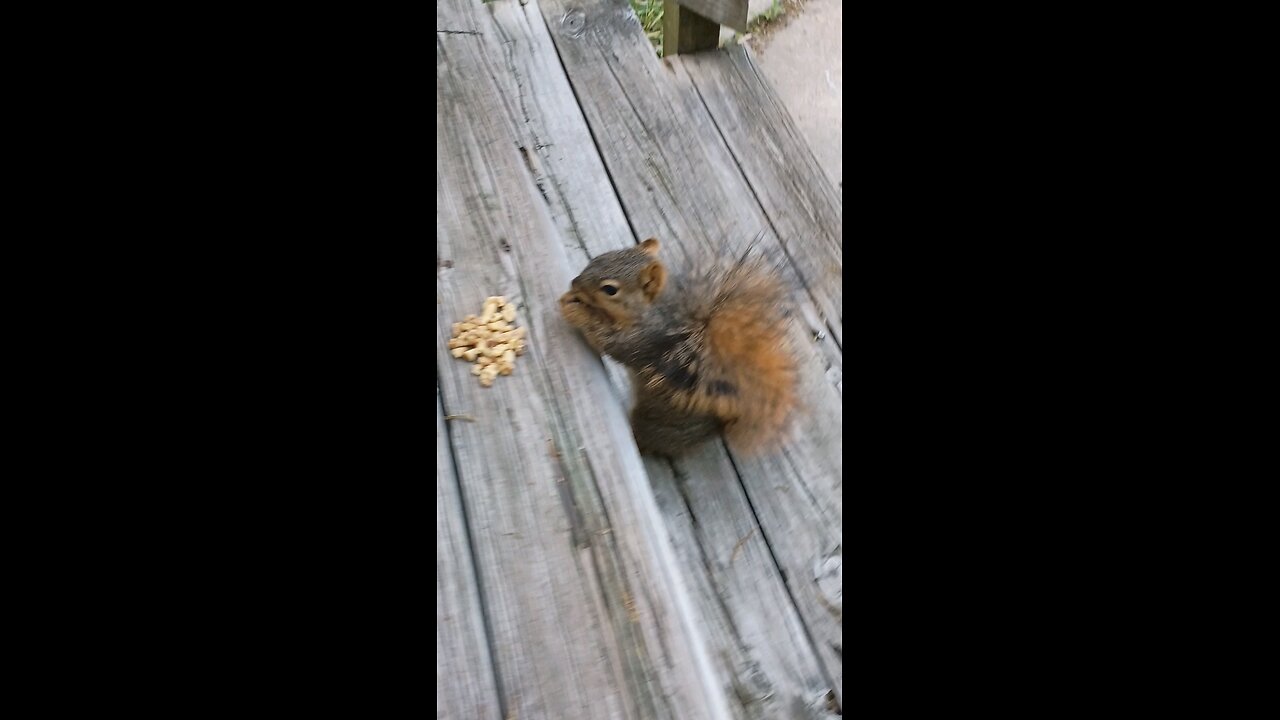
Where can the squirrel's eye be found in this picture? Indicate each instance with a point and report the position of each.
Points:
(609, 289)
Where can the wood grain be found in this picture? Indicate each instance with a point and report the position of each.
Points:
(678, 180)
(756, 636)
(464, 671)
(732, 13)
(579, 194)
(588, 611)
(548, 127)
(803, 207)
(765, 663)
(685, 31)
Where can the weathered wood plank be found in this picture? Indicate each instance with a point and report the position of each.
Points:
(547, 125)
(575, 185)
(562, 167)
(685, 31)
(554, 140)
(589, 615)
(802, 206)
(678, 181)
(780, 166)
(464, 671)
(724, 12)
(665, 151)
(753, 642)
(753, 628)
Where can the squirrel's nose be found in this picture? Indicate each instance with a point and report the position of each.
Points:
(569, 298)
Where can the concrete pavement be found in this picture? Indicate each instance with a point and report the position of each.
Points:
(802, 57)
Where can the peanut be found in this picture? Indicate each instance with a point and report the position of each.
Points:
(489, 340)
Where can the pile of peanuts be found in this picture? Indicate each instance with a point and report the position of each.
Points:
(490, 341)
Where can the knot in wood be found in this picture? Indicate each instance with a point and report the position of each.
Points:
(574, 23)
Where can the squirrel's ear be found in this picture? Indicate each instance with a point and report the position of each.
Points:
(650, 246)
(652, 278)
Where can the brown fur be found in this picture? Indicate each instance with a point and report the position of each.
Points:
(708, 350)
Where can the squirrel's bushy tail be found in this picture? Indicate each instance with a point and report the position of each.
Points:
(750, 375)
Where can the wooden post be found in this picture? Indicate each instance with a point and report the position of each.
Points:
(684, 31)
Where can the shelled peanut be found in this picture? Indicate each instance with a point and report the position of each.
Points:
(489, 340)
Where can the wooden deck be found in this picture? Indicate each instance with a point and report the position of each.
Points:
(574, 578)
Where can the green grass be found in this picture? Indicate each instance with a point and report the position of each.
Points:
(649, 13)
(775, 10)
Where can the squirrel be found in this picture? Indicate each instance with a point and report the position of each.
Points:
(708, 352)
